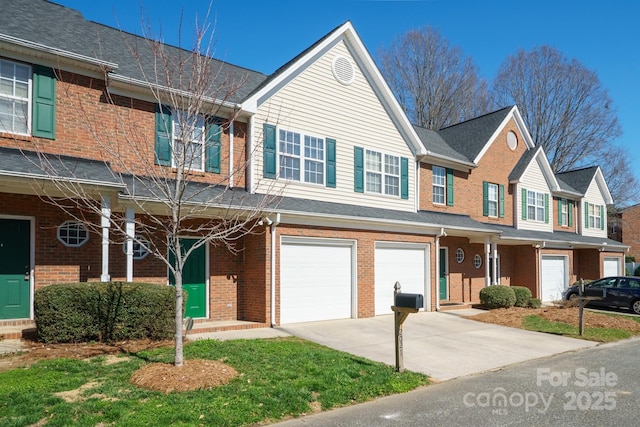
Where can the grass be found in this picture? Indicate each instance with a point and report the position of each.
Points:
(539, 324)
(279, 378)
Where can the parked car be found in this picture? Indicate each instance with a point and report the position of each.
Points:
(623, 291)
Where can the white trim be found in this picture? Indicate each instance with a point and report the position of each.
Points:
(231, 166)
(105, 225)
(130, 228)
(69, 245)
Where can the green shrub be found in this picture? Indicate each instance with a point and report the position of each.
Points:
(637, 271)
(497, 296)
(628, 259)
(523, 295)
(105, 312)
(534, 303)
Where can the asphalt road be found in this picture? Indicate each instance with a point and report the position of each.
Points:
(598, 386)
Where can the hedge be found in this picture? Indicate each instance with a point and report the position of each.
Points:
(497, 296)
(523, 295)
(104, 312)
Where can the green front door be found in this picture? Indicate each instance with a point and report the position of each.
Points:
(443, 274)
(14, 268)
(194, 279)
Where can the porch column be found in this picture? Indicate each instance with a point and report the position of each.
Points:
(487, 262)
(105, 223)
(494, 250)
(130, 227)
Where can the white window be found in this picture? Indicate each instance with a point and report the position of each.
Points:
(594, 215)
(15, 87)
(73, 234)
(296, 161)
(564, 211)
(439, 182)
(492, 198)
(376, 174)
(459, 255)
(140, 250)
(535, 206)
(188, 140)
(477, 261)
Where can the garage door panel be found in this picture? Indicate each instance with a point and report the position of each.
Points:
(611, 267)
(404, 265)
(315, 282)
(554, 277)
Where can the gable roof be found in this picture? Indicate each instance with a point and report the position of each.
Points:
(63, 32)
(535, 154)
(437, 147)
(347, 34)
(473, 137)
(581, 179)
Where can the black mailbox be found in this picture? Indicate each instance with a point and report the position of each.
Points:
(409, 300)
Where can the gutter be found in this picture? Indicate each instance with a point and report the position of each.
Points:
(274, 224)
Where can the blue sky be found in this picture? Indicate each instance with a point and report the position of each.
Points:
(264, 34)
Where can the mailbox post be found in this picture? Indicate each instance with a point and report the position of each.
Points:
(403, 305)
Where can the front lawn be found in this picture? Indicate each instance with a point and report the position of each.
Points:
(278, 379)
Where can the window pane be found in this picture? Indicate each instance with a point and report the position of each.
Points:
(392, 165)
(290, 168)
(493, 199)
(392, 185)
(438, 195)
(374, 161)
(314, 172)
(374, 182)
(6, 87)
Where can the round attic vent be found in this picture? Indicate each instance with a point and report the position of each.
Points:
(343, 70)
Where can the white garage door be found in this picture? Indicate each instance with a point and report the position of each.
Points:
(554, 277)
(315, 280)
(611, 267)
(404, 264)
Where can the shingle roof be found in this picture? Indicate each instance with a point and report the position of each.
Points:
(17, 163)
(434, 143)
(469, 137)
(63, 28)
(523, 163)
(578, 179)
(561, 237)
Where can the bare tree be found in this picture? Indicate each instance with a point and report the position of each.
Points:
(170, 200)
(435, 83)
(567, 111)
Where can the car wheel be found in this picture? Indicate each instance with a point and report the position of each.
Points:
(635, 306)
(572, 297)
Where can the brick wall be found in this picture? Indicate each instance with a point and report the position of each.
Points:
(629, 225)
(494, 166)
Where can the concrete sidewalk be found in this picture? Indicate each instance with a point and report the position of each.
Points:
(439, 344)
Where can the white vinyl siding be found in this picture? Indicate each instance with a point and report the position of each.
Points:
(534, 182)
(594, 198)
(315, 102)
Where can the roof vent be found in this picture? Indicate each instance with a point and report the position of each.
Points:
(343, 70)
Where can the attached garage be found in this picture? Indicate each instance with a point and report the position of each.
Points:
(317, 279)
(612, 266)
(404, 263)
(553, 277)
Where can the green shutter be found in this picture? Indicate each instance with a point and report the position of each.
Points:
(570, 209)
(524, 204)
(485, 198)
(404, 178)
(44, 103)
(601, 217)
(163, 136)
(546, 208)
(269, 151)
(358, 169)
(213, 145)
(331, 163)
(586, 215)
(501, 201)
(449, 187)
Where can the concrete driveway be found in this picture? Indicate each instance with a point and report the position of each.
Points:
(439, 344)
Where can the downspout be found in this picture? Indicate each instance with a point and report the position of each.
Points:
(274, 224)
(249, 156)
(438, 236)
(231, 171)
(105, 224)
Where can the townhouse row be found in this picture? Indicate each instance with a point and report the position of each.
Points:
(364, 198)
